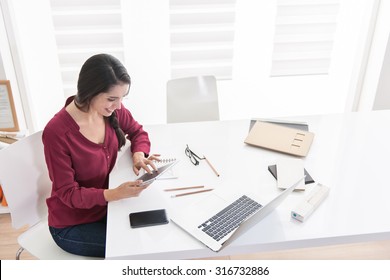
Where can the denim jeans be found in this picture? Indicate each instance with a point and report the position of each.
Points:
(84, 240)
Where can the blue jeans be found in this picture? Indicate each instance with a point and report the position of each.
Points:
(84, 240)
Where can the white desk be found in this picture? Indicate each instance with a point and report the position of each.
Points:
(350, 154)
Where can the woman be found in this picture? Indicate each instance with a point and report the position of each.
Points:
(81, 143)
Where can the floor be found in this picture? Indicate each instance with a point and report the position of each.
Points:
(379, 250)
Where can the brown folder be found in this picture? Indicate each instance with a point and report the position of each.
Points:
(280, 138)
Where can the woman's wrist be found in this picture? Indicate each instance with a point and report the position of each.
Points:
(109, 195)
(138, 156)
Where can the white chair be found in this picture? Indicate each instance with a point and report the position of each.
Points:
(192, 99)
(26, 185)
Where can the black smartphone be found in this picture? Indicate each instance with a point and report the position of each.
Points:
(148, 218)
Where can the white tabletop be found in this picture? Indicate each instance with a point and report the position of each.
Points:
(349, 154)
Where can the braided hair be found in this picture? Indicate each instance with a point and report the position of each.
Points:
(99, 74)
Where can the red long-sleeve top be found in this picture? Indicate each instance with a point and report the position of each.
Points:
(79, 169)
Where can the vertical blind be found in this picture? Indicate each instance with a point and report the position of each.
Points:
(201, 37)
(304, 35)
(84, 28)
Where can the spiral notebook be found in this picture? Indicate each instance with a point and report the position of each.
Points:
(171, 173)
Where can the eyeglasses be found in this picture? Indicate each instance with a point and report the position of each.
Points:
(193, 157)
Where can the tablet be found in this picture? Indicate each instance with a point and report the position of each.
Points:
(148, 178)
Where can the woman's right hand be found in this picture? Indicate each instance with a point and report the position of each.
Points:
(125, 190)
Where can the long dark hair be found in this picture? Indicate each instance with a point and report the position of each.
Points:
(99, 74)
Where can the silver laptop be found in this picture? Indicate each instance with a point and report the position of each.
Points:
(215, 220)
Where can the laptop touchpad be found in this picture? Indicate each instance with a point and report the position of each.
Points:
(213, 203)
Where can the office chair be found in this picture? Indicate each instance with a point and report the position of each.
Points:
(26, 185)
(192, 99)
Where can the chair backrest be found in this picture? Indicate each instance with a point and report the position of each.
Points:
(25, 180)
(192, 99)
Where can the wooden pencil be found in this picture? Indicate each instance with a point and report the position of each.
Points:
(190, 193)
(184, 188)
(212, 167)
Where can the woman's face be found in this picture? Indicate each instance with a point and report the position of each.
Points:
(107, 102)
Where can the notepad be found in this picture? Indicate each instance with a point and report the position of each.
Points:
(280, 138)
(308, 178)
(290, 170)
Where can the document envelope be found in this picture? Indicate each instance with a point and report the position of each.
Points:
(280, 138)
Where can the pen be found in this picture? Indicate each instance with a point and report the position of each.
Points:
(212, 167)
(188, 193)
(185, 188)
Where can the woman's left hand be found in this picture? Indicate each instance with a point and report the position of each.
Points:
(140, 161)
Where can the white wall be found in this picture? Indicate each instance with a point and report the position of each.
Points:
(2, 71)
(253, 93)
(376, 61)
(34, 53)
(7, 72)
(147, 57)
(382, 98)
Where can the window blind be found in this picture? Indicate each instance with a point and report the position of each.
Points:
(84, 28)
(304, 35)
(201, 37)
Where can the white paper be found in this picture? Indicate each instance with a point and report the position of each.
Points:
(290, 171)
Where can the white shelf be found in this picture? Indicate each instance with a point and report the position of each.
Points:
(4, 210)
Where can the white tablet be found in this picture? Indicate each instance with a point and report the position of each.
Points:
(148, 178)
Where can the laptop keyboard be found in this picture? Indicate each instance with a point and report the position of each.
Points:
(230, 217)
